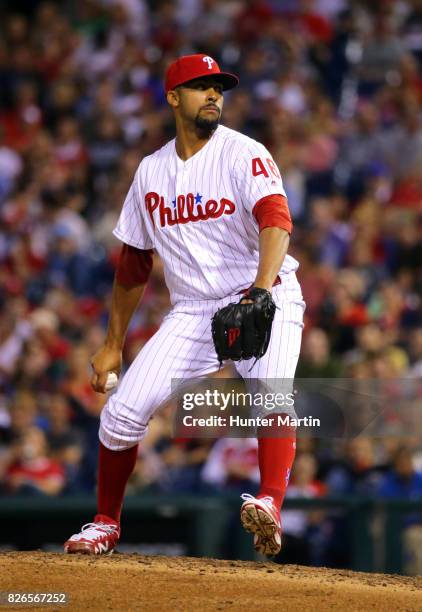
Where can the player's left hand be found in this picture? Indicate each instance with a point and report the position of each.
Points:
(242, 330)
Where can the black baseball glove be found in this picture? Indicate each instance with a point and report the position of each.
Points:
(242, 331)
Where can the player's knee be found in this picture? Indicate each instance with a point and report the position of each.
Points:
(118, 427)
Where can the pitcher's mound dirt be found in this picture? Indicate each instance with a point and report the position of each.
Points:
(135, 582)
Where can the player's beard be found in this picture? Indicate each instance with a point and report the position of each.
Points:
(206, 126)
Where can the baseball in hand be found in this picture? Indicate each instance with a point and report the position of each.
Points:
(111, 381)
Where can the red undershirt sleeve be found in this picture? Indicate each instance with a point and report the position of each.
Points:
(134, 266)
(273, 211)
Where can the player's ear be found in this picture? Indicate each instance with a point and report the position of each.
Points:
(173, 98)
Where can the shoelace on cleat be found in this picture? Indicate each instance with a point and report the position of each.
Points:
(249, 497)
(90, 530)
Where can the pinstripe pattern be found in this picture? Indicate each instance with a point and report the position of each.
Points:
(212, 258)
(182, 348)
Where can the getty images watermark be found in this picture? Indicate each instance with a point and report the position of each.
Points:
(238, 408)
(324, 408)
(266, 402)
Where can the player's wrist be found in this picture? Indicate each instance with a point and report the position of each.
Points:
(263, 284)
(114, 344)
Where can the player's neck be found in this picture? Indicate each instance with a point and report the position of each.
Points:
(190, 140)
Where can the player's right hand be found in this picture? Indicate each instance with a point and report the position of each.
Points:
(105, 360)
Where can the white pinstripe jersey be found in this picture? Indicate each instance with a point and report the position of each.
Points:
(197, 214)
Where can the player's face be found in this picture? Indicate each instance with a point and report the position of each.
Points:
(200, 101)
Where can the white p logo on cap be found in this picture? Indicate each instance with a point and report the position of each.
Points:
(209, 61)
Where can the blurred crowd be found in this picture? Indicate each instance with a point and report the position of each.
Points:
(334, 90)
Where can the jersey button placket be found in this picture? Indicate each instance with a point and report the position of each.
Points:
(184, 180)
(178, 179)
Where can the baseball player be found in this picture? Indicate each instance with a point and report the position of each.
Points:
(211, 202)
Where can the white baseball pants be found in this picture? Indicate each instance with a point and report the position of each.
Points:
(182, 348)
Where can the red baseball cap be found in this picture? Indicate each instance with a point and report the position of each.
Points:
(189, 67)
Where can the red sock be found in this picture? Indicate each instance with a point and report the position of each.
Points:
(114, 469)
(275, 457)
